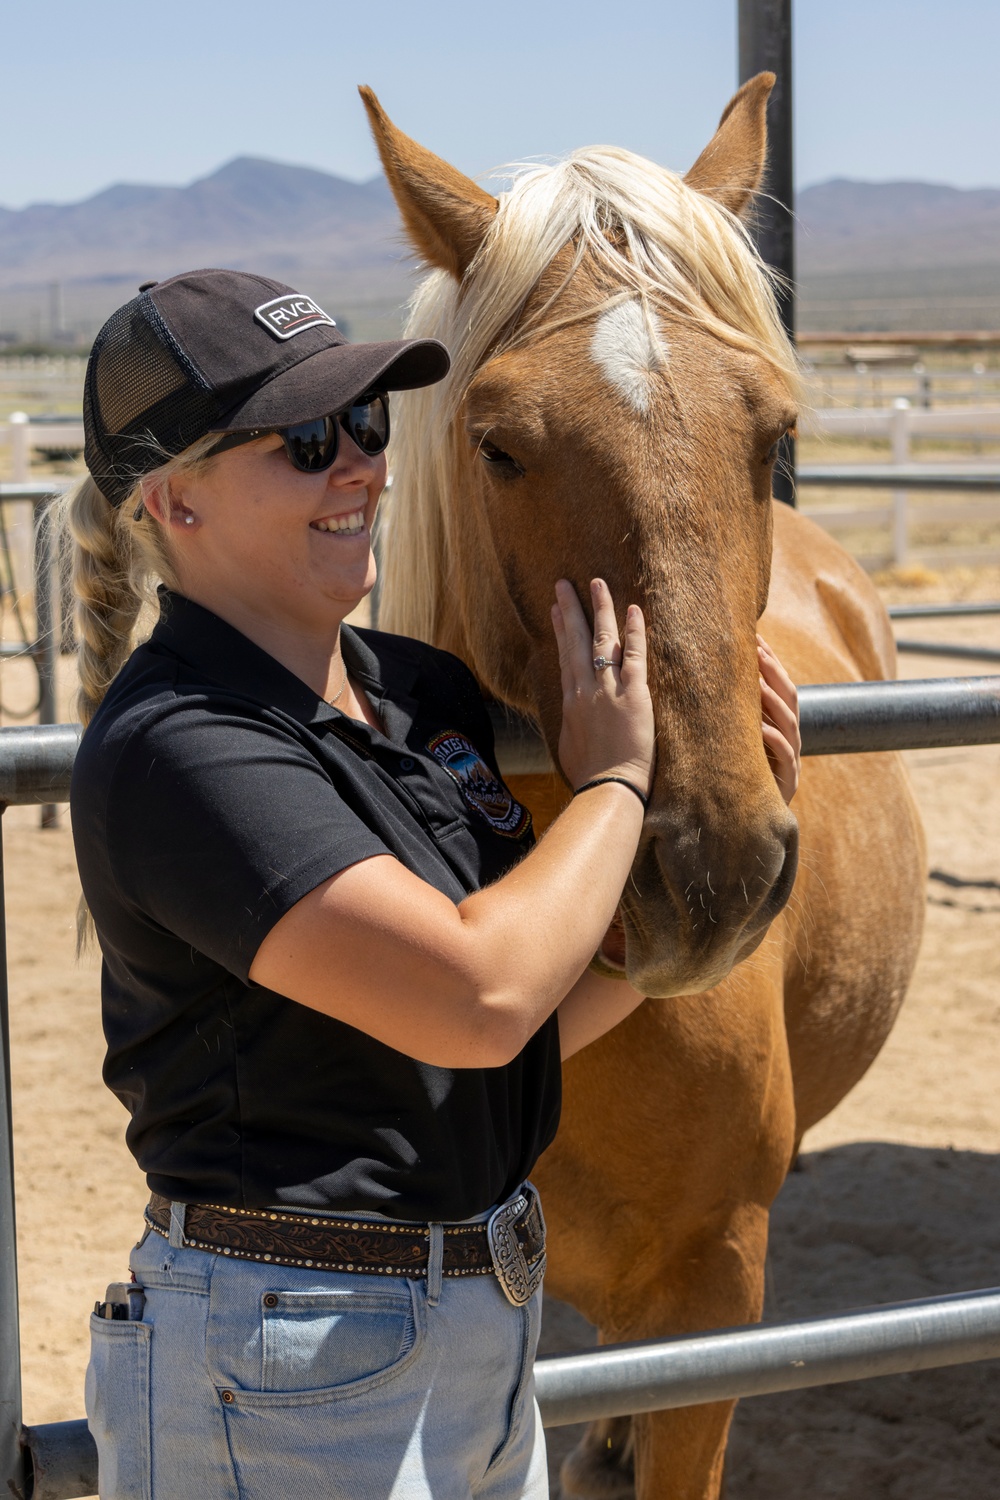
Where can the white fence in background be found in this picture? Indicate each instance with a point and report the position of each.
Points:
(876, 384)
(901, 423)
(23, 436)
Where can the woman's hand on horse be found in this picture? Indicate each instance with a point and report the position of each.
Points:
(779, 703)
(607, 723)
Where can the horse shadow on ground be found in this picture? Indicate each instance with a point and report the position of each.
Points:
(856, 1225)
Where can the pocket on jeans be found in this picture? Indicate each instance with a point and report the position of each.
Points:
(117, 1401)
(325, 1341)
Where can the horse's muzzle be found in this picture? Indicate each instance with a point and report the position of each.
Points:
(698, 903)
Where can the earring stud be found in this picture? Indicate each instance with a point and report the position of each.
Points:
(189, 520)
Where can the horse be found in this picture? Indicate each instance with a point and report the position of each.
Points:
(619, 388)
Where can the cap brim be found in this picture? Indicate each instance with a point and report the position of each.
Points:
(333, 377)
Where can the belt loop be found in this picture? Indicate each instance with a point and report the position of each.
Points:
(435, 1263)
(176, 1236)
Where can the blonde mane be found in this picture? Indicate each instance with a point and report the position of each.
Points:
(647, 233)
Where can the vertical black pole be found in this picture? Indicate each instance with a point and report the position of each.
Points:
(11, 1457)
(765, 44)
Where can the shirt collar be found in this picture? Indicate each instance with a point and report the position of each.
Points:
(229, 658)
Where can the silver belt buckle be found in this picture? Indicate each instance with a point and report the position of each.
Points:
(519, 1279)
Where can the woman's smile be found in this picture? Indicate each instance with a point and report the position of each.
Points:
(351, 523)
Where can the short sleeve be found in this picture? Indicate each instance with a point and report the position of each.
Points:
(218, 824)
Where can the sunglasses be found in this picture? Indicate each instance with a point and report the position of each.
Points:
(313, 446)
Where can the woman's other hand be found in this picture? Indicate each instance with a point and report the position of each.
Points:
(779, 703)
(607, 724)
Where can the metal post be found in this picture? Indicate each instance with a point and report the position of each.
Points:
(11, 1456)
(46, 648)
(899, 432)
(20, 446)
(765, 45)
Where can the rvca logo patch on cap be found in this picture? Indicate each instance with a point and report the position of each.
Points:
(284, 317)
(482, 790)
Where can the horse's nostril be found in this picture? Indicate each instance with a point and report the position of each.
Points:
(781, 888)
(720, 883)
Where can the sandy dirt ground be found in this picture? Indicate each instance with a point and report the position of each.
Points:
(896, 1195)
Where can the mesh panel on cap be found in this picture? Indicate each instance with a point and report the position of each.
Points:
(143, 399)
(133, 371)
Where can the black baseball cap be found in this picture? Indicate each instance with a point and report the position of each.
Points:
(225, 351)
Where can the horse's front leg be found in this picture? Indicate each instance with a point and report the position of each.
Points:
(677, 1134)
(679, 1455)
(716, 1280)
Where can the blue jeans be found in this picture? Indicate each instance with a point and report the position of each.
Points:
(254, 1382)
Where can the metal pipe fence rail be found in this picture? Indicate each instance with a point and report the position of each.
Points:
(977, 482)
(733, 1363)
(942, 648)
(945, 611)
(839, 718)
(58, 1461)
(942, 611)
(963, 478)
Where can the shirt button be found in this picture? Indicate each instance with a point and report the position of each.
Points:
(406, 764)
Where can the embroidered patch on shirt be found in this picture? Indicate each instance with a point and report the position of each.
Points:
(480, 787)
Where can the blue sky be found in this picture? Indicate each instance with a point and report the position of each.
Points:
(112, 90)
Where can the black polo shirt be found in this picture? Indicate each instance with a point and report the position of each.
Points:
(212, 791)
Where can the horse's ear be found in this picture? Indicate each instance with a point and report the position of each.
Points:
(732, 164)
(446, 214)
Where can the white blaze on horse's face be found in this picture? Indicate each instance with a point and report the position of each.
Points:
(628, 352)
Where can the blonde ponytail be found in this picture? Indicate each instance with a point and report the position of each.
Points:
(117, 555)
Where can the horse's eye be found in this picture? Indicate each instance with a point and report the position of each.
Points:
(774, 451)
(496, 456)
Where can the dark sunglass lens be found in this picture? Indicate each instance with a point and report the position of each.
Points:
(368, 423)
(312, 445)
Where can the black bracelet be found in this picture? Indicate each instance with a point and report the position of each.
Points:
(603, 780)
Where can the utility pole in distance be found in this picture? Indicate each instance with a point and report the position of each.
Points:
(765, 45)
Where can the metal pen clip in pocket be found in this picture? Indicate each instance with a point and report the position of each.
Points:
(124, 1301)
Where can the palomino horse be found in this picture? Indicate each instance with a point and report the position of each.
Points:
(619, 386)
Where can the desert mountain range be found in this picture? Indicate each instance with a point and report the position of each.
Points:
(890, 247)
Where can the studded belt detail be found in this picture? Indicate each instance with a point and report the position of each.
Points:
(509, 1245)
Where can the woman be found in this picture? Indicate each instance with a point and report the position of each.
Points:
(337, 972)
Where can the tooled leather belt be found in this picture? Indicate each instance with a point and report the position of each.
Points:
(510, 1244)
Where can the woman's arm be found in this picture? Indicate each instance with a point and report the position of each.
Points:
(593, 1006)
(460, 986)
(468, 985)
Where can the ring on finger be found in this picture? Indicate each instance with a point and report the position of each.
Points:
(600, 662)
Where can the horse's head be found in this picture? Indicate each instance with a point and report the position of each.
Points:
(619, 387)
